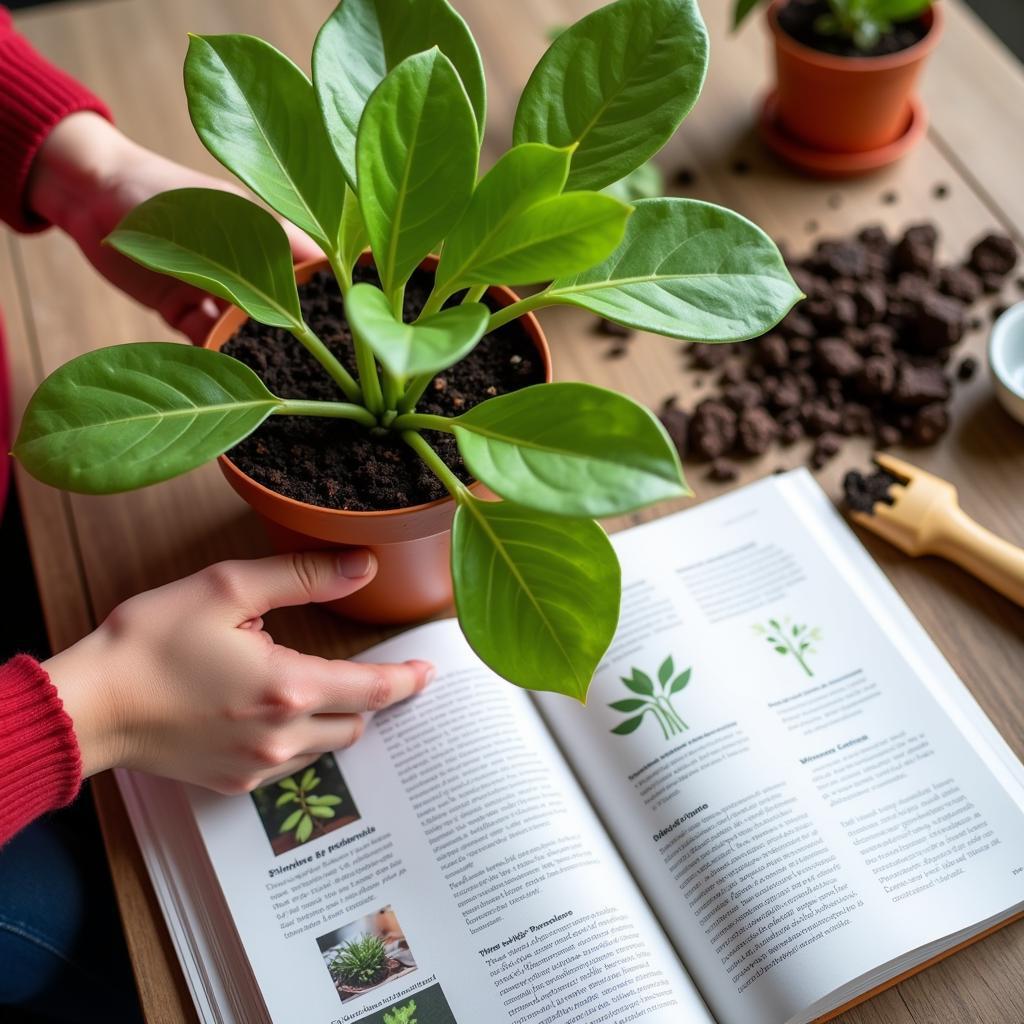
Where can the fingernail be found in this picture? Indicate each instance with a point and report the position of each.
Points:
(355, 563)
(428, 673)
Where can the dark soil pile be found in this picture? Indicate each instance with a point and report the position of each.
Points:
(339, 464)
(798, 19)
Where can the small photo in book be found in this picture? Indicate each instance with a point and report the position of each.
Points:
(367, 953)
(305, 806)
(427, 1006)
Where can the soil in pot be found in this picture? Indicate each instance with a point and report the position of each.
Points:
(339, 464)
(798, 17)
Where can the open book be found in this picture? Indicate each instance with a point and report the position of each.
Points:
(778, 799)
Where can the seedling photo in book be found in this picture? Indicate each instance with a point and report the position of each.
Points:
(777, 799)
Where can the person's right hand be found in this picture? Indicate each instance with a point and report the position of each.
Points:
(183, 681)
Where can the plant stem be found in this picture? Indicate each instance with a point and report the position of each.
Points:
(475, 294)
(369, 382)
(323, 355)
(796, 654)
(517, 309)
(456, 488)
(674, 715)
(414, 392)
(392, 391)
(338, 410)
(341, 272)
(659, 719)
(422, 421)
(435, 300)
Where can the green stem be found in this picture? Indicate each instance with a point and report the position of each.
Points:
(659, 719)
(673, 715)
(475, 294)
(397, 299)
(456, 488)
(422, 421)
(392, 390)
(341, 272)
(323, 355)
(796, 654)
(414, 392)
(337, 410)
(517, 309)
(369, 382)
(435, 300)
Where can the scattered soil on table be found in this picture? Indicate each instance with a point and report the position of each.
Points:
(340, 464)
(798, 18)
(861, 491)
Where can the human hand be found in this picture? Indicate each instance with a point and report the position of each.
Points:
(88, 175)
(183, 681)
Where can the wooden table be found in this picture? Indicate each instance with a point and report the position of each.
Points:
(90, 553)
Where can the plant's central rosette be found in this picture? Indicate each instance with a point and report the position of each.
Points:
(380, 151)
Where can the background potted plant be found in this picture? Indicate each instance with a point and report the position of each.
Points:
(846, 73)
(380, 151)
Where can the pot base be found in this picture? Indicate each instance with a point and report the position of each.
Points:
(825, 164)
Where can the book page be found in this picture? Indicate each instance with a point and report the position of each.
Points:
(458, 867)
(780, 760)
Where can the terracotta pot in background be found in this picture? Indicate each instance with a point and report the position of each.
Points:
(846, 104)
(411, 545)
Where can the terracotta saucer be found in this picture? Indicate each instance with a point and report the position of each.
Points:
(826, 164)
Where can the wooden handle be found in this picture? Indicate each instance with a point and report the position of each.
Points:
(997, 562)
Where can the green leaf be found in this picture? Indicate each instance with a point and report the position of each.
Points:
(537, 596)
(288, 783)
(417, 155)
(431, 344)
(570, 449)
(618, 83)
(291, 821)
(321, 812)
(626, 706)
(353, 235)
(305, 829)
(327, 800)
(639, 682)
(307, 778)
(782, 650)
(741, 11)
(132, 415)
(687, 270)
(286, 798)
(628, 726)
(665, 670)
(680, 681)
(256, 112)
(364, 39)
(902, 10)
(219, 242)
(645, 182)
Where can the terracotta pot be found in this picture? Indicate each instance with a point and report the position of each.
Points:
(412, 545)
(847, 104)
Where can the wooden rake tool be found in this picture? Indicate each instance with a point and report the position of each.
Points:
(925, 518)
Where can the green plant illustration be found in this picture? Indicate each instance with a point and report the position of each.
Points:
(654, 699)
(401, 1014)
(360, 962)
(299, 791)
(792, 638)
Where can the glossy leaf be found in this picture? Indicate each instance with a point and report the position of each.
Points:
(417, 158)
(639, 682)
(431, 344)
(688, 270)
(645, 182)
(537, 596)
(363, 40)
(353, 237)
(256, 112)
(132, 415)
(570, 449)
(219, 242)
(618, 83)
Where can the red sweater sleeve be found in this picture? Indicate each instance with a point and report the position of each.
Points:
(40, 764)
(34, 96)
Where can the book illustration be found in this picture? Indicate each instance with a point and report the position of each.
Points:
(305, 805)
(654, 699)
(792, 638)
(427, 1006)
(366, 953)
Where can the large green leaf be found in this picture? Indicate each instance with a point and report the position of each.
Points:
(688, 270)
(431, 344)
(417, 157)
(571, 450)
(618, 83)
(220, 242)
(132, 415)
(537, 596)
(256, 112)
(740, 10)
(364, 39)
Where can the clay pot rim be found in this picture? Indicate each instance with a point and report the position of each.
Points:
(886, 62)
(501, 293)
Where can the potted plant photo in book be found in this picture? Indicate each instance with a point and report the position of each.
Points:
(401, 389)
(846, 73)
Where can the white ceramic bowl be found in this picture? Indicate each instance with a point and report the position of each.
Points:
(1006, 360)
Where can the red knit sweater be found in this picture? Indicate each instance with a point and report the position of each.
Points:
(40, 765)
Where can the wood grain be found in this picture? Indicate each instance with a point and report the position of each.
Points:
(91, 553)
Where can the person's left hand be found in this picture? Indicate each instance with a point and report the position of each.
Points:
(88, 175)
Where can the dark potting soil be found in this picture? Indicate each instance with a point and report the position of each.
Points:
(340, 464)
(798, 19)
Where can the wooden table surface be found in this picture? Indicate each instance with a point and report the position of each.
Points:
(90, 553)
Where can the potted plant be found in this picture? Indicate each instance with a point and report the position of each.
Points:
(379, 152)
(846, 73)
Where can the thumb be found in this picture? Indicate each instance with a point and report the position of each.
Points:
(254, 586)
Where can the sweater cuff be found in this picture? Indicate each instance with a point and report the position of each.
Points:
(34, 97)
(40, 763)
